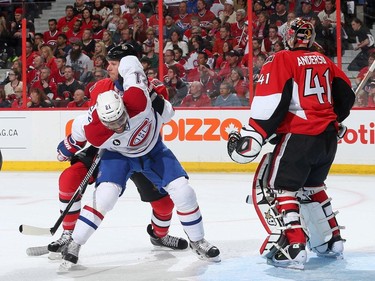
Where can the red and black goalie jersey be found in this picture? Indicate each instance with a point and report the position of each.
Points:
(300, 92)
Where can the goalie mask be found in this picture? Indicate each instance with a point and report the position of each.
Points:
(111, 111)
(300, 31)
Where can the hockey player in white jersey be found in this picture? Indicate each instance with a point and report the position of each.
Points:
(126, 125)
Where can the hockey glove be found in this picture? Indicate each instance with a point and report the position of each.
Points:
(68, 147)
(244, 147)
(342, 131)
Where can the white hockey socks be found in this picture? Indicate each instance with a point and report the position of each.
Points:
(185, 200)
(104, 199)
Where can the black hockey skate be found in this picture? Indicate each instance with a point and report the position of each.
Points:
(70, 256)
(168, 241)
(292, 256)
(57, 247)
(205, 250)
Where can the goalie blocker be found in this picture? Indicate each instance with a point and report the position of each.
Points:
(316, 217)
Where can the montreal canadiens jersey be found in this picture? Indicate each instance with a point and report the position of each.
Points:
(299, 92)
(142, 130)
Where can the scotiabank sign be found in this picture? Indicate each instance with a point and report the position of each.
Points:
(201, 135)
(364, 134)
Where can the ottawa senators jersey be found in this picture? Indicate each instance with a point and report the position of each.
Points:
(300, 92)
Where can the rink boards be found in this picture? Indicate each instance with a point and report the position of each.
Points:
(28, 140)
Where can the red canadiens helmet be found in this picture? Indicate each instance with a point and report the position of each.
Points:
(300, 31)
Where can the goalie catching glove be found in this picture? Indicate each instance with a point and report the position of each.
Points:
(68, 147)
(244, 147)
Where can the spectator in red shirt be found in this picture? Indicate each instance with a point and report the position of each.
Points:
(240, 85)
(196, 97)
(134, 12)
(205, 15)
(30, 54)
(58, 75)
(234, 60)
(238, 29)
(50, 36)
(269, 41)
(64, 24)
(169, 61)
(178, 55)
(34, 72)
(257, 44)
(209, 80)
(222, 60)
(79, 100)
(139, 30)
(154, 19)
(86, 19)
(214, 32)
(177, 88)
(49, 58)
(261, 28)
(97, 28)
(46, 84)
(75, 34)
(194, 29)
(225, 36)
(182, 19)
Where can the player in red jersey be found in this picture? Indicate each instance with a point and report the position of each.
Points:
(302, 96)
(71, 177)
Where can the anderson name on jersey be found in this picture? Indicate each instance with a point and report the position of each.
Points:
(299, 92)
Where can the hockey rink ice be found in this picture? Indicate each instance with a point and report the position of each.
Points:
(120, 249)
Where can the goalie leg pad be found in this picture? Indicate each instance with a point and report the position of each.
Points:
(317, 224)
(263, 197)
(288, 206)
(324, 231)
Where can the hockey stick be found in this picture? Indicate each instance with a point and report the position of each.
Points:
(37, 251)
(365, 79)
(40, 231)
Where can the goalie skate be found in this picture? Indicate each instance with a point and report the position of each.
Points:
(292, 256)
(167, 241)
(205, 251)
(335, 249)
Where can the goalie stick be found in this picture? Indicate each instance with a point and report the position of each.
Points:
(40, 231)
(365, 79)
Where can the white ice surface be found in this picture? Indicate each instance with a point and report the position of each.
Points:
(120, 248)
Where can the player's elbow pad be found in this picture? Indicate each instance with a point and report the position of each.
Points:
(164, 108)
